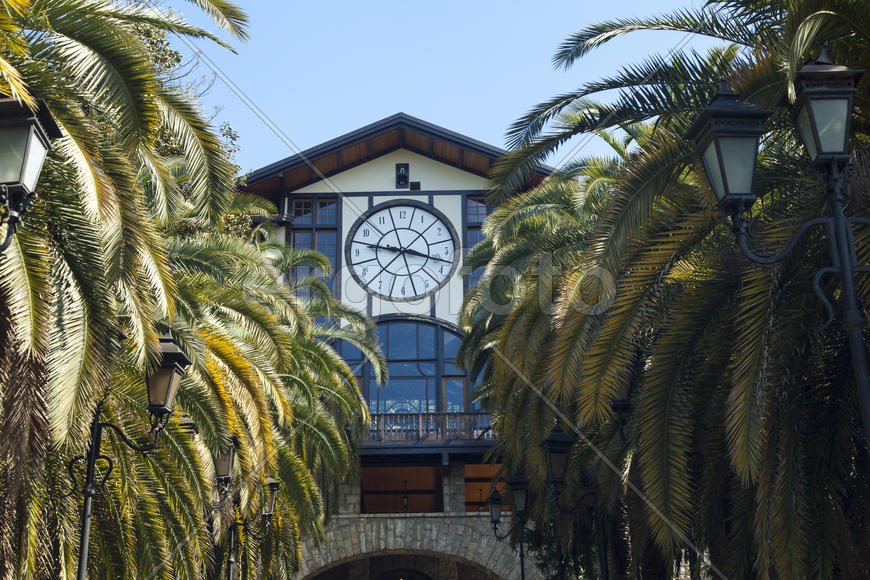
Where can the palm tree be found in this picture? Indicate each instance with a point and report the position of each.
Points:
(117, 253)
(743, 441)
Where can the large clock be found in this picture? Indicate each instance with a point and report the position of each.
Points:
(402, 250)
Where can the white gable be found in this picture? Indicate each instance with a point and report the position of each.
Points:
(379, 175)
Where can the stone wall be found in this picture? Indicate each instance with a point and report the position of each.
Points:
(457, 536)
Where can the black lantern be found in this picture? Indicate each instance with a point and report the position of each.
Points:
(726, 136)
(269, 508)
(558, 445)
(224, 462)
(519, 486)
(495, 507)
(25, 138)
(163, 382)
(823, 110)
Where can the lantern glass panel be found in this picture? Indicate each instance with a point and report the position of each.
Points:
(13, 145)
(520, 496)
(495, 508)
(557, 461)
(805, 129)
(174, 381)
(714, 171)
(36, 152)
(158, 386)
(273, 496)
(738, 159)
(831, 116)
(223, 464)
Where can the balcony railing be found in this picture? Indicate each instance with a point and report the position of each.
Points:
(430, 427)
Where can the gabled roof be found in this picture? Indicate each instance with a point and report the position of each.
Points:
(399, 131)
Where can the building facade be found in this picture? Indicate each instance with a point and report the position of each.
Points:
(395, 206)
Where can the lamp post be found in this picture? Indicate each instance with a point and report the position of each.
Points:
(822, 114)
(224, 464)
(267, 512)
(25, 139)
(558, 448)
(162, 387)
(519, 489)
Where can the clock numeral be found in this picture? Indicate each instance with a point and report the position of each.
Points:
(366, 232)
(382, 220)
(442, 269)
(403, 214)
(356, 252)
(422, 219)
(403, 289)
(365, 271)
(446, 250)
(438, 229)
(426, 283)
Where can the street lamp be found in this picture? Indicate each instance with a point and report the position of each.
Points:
(162, 385)
(519, 489)
(163, 382)
(558, 445)
(726, 136)
(823, 110)
(25, 138)
(495, 510)
(224, 463)
(268, 511)
(822, 114)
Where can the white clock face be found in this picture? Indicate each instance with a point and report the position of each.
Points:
(402, 250)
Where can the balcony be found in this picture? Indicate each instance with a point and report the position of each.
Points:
(434, 427)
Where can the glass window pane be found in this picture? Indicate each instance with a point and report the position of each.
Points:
(475, 209)
(451, 344)
(738, 158)
(404, 396)
(303, 240)
(403, 341)
(13, 141)
(427, 341)
(473, 237)
(302, 211)
(371, 396)
(35, 157)
(326, 245)
(454, 395)
(714, 172)
(830, 116)
(349, 352)
(412, 369)
(805, 130)
(327, 212)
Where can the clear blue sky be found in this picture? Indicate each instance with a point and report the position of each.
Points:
(321, 69)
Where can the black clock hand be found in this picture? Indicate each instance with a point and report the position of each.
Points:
(387, 248)
(422, 255)
(410, 277)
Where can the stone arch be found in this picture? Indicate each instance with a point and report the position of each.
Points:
(466, 538)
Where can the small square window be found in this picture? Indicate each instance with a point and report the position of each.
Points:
(475, 209)
(327, 212)
(303, 240)
(302, 211)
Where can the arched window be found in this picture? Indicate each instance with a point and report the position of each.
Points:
(424, 378)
